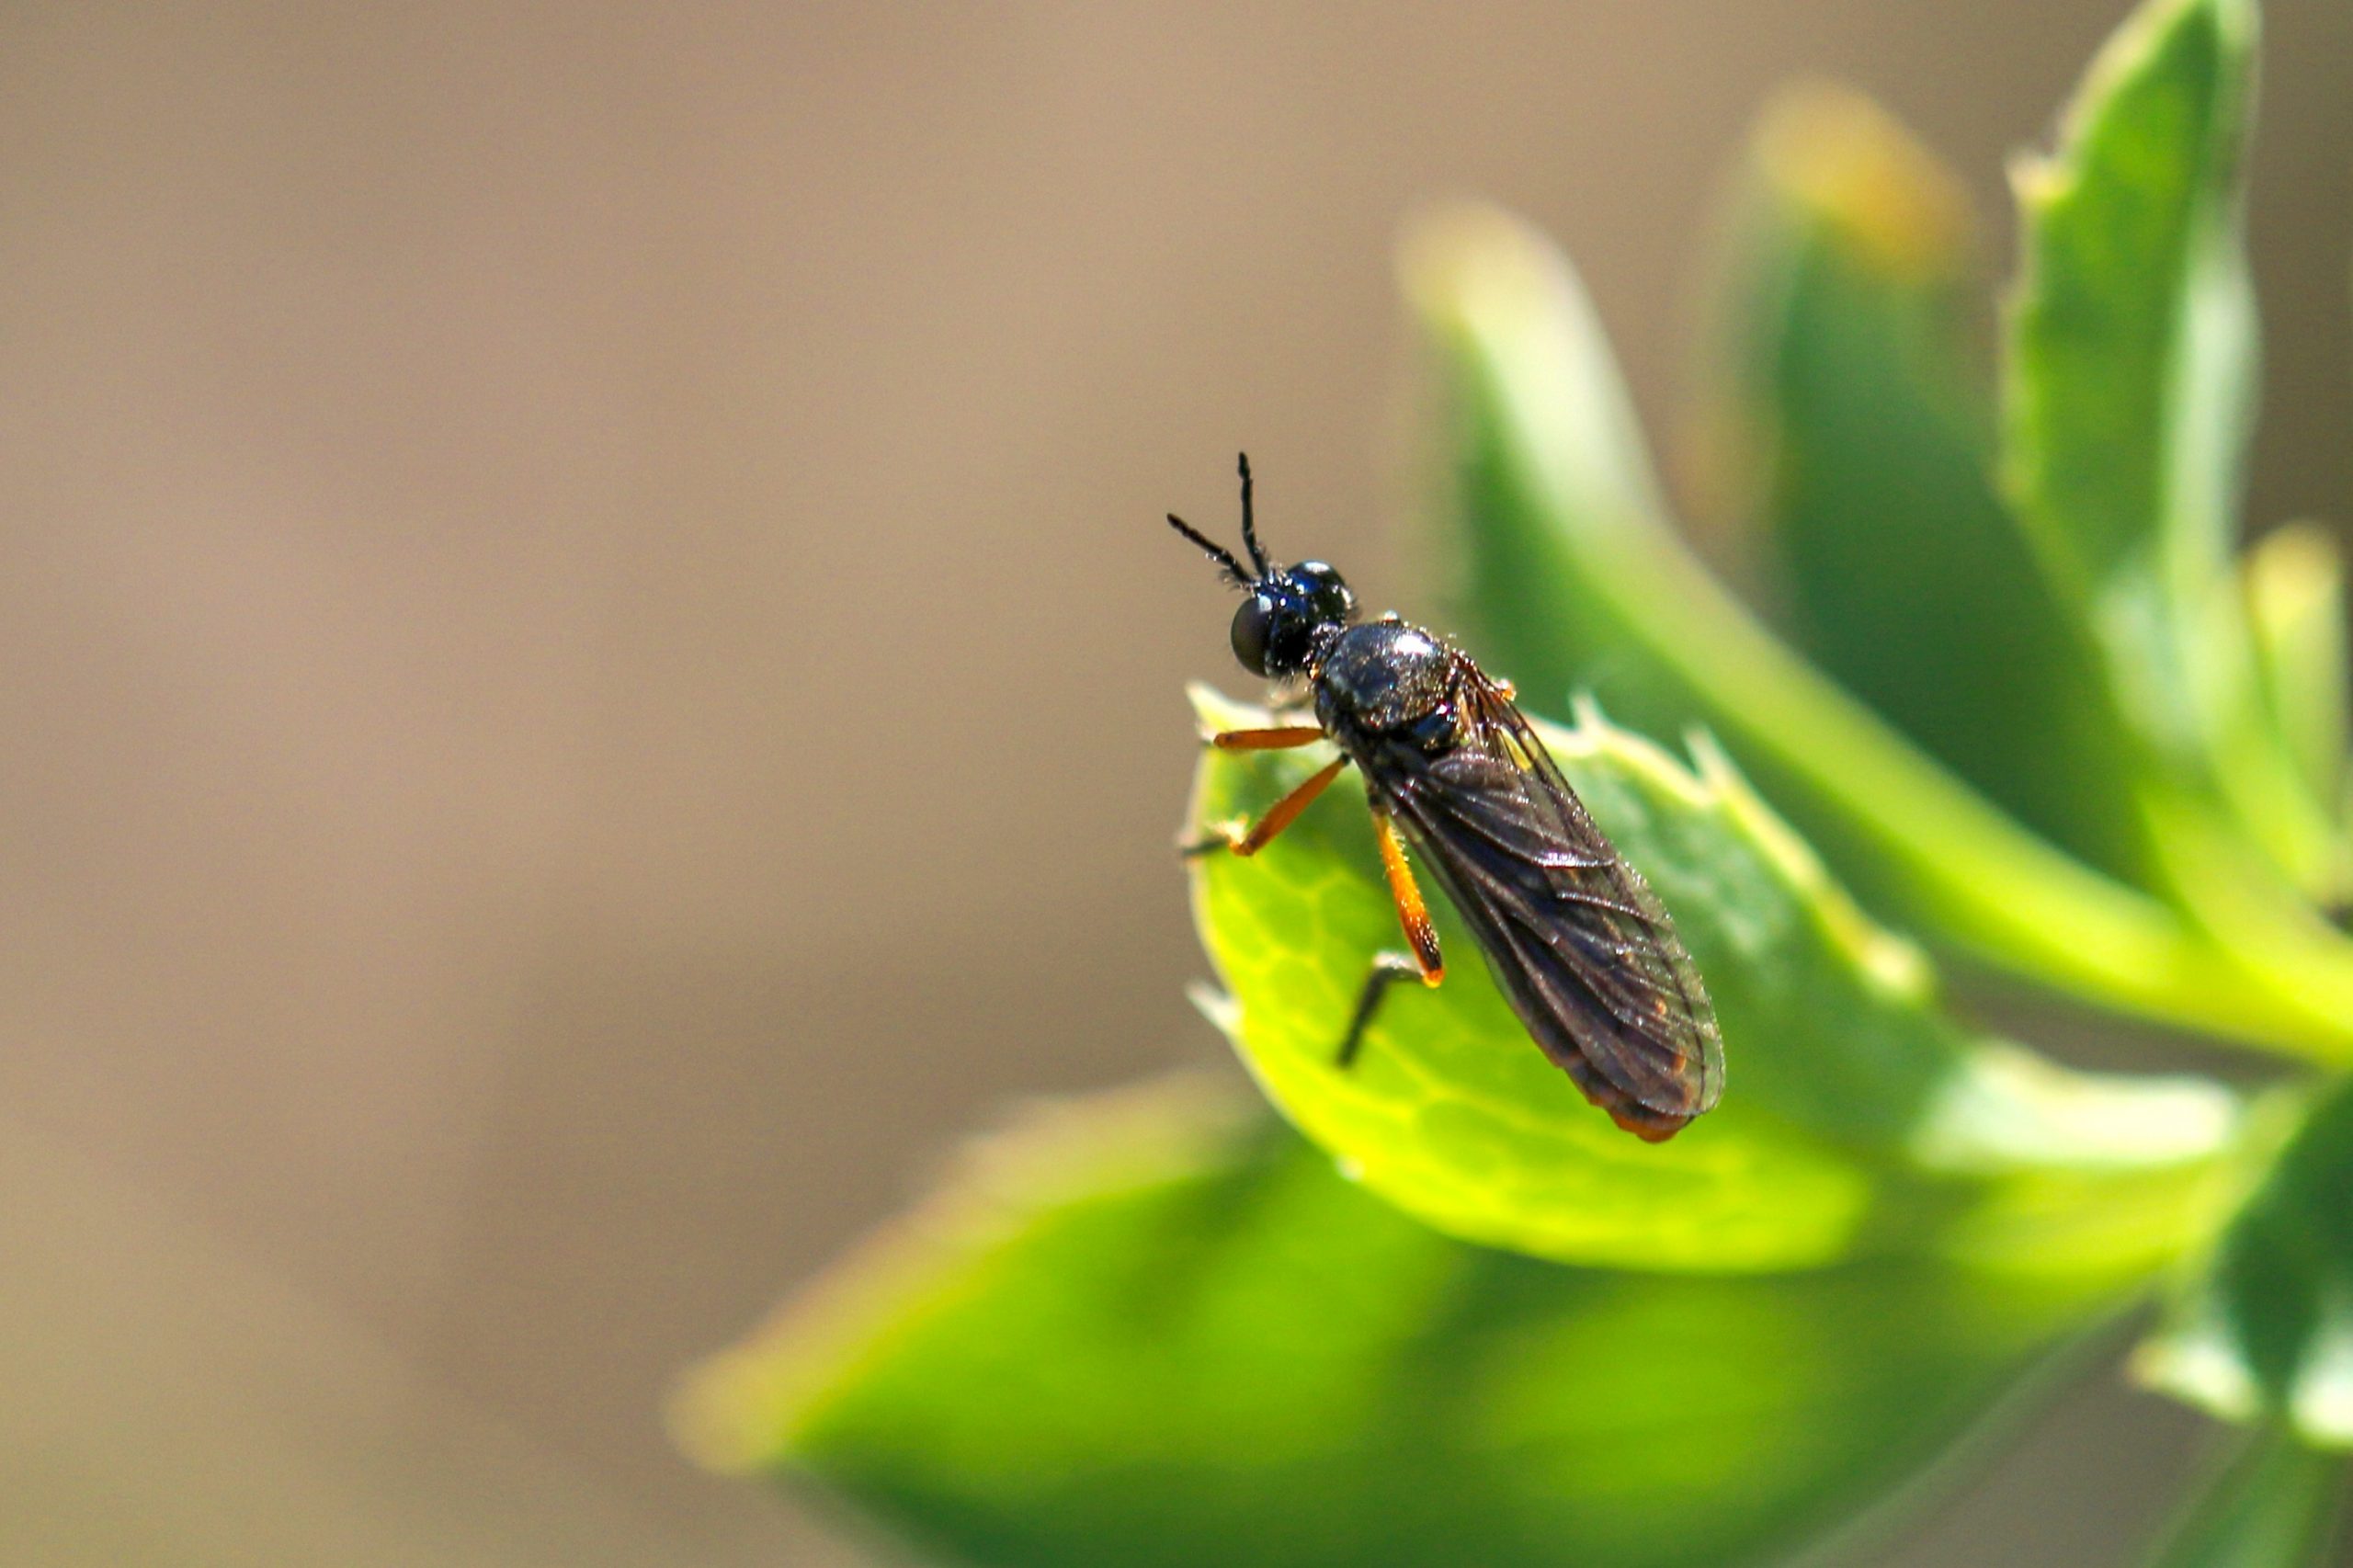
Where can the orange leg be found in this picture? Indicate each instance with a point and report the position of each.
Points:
(1388, 969)
(1412, 913)
(1268, 740)
(1279, 815)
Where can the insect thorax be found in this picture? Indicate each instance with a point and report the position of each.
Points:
(1382, 678)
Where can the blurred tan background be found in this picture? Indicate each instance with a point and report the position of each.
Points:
(592, 673)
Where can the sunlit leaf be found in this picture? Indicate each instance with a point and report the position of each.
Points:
(2130, 396)
(1856, 1117)
(1571, 580)
(2131, 334)
(1159, 1333)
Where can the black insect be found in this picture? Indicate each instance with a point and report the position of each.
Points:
(1574, 935)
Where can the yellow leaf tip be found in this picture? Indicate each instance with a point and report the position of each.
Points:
(1839, 154)
(1478, 267)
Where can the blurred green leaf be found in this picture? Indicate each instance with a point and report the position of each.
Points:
(1855, 1118)
(1867, 428)
(2131, 337)
(2130, 397)
(1572, 579)
(2263, 1327)
(2274, 1504)
(2295, 591)
(1156, 1332)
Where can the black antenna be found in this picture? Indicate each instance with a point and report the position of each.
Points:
(1249, 523)
(1217, 553)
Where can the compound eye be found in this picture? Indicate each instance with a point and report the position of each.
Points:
(1325, 591)
(1251, 624)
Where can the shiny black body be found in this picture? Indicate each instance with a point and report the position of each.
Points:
(1387, 682)
(1576, 940)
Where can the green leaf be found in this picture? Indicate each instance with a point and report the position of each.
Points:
(2274, 1504)
(1866, 428)
(2263, 1327)
(2132, 332)
(2295, 593)
(1152, 1332)
(1572, 580)
(1855, 1119)
(2129, 394)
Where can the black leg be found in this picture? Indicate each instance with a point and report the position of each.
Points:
(1388, 969)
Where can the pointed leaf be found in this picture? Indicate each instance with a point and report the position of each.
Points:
(1855, 1118)
(2130, 398)
(2131, 330)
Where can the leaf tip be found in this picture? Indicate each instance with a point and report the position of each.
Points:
(1837, 154)
(2218, 35)
(1471, 261)
(2195, 1364)
(764, 1402)
(2295, 573)
(1585, 711)
(1220, 1007)
(1214, 711)
(2036, 180)
(1478, 273)
(713, 1420)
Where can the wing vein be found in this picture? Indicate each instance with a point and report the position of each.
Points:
(1580, 945)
